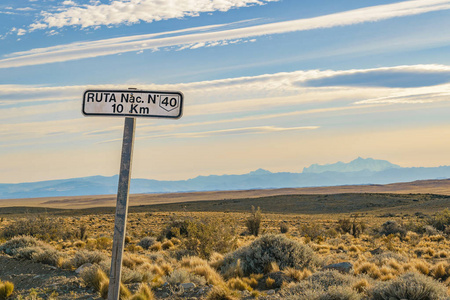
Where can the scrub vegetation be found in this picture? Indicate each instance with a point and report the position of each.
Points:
(229, 255)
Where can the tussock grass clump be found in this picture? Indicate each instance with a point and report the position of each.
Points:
(370, 269)
(167, 245)
(144, 293)
(267, 249)
(361, 286)
(94, 277)
(411, 286)
(184, 276)
(441, 271)
(238, 284)
(297, 275)
(6, 289)
(220, 293)
(84, 256)
(201, 267)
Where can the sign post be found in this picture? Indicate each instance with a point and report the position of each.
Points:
(120, 220)
(131, 104)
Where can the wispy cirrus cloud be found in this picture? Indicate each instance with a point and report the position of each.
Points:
(214, 38)
(224, 132)
(34, 111)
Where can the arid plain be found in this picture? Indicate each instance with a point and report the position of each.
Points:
(349, 242)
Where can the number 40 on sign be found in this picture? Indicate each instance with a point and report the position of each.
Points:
(133, 103)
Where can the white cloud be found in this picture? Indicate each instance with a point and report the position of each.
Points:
(134, 11)
(21, 31)
(200, 37)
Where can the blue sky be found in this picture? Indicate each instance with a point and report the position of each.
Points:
(274, 84)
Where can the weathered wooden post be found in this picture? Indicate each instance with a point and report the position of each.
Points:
(120, 220)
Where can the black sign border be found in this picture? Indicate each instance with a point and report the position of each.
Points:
(132, 115)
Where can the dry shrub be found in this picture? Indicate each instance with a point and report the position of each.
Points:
(411, 286)
(352, 227)
(339, 293)
(313, 231)
(30, 248)
(147, 242)
(253, 223)
(326, 285)
(441, 220)
(47, 256)
(267, 249)
(284, 227)
(42, 227)
(392, 227)
(6, 289)
(12, 246)
(208, 235)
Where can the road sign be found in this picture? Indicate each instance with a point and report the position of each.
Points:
(132, 103)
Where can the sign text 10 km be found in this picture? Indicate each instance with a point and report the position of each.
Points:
(132, 103)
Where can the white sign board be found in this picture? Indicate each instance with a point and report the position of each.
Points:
(132, 103)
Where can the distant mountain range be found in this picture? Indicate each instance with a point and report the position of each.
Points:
(359, 164)
(359, 171)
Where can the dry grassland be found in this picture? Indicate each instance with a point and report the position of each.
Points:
(387, 246)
